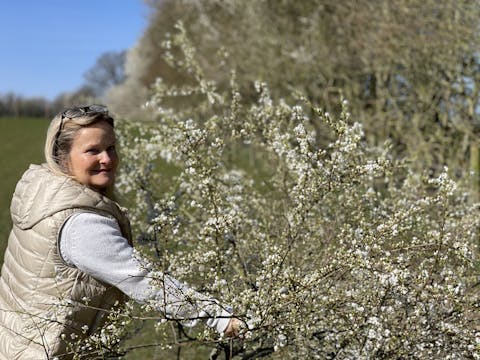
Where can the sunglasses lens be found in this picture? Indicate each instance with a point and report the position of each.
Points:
(96, 108)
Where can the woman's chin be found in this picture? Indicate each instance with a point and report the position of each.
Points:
(103, 183)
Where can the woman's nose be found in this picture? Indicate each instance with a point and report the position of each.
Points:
(105, 157)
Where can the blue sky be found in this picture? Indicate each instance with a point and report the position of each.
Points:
(47, 45)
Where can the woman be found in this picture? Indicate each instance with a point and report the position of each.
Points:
(70, 245)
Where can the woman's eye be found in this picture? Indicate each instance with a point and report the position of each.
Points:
(112, 151)
(92, 151)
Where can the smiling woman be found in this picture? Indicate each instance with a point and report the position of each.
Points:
(71, 244)
(93, 158)
(81, 144)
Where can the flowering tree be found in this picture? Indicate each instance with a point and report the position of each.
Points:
(410, 68)
(323, 251)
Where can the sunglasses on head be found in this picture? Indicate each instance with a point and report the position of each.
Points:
(79, 111)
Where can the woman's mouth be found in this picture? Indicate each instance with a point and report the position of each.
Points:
(102, 171)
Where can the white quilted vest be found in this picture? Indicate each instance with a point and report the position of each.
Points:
(34, 278)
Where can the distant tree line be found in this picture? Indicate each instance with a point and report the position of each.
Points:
(106, 72)
(14, 105)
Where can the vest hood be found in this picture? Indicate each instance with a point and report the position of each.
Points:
(36, 196)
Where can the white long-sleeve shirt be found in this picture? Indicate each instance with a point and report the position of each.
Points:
(94, 244)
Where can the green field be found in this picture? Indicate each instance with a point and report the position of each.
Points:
(21, 144)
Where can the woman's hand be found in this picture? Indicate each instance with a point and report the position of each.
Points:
(233, 328)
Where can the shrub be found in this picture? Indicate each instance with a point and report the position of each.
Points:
(323, 251)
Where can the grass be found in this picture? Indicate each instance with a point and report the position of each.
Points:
(21, 144)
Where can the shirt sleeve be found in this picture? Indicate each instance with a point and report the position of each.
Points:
(94, 244)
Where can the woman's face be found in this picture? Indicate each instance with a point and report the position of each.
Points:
(92, 159)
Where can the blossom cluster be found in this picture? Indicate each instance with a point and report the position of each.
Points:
(324, 246)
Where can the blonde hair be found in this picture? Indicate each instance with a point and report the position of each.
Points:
(61, 132)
